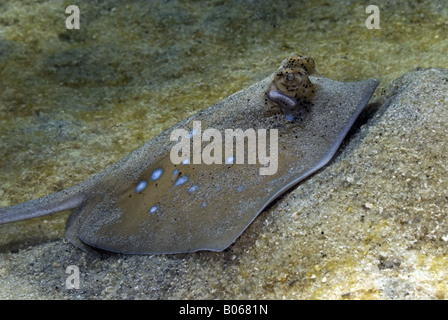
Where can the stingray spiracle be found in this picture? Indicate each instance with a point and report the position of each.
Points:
(285, 102)
(291, 86)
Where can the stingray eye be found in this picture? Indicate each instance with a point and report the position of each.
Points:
(290, 77)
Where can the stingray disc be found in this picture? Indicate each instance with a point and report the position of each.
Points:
(148, 204)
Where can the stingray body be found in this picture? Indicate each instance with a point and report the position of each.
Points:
(149, 204)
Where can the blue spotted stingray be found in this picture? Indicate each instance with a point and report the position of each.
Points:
(146, 203)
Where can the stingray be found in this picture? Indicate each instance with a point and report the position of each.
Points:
(199, 184)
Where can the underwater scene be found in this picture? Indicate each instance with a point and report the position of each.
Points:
(119, 179)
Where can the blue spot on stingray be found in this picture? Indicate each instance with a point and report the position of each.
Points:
(156, 174)
(240, 188)
(141, 186)
(204, 204)
(181, 180)
(153, 209)
(193, 189)
(175, 172)
(186, 161)
(290, 117)
(230, 160)
(193, 132)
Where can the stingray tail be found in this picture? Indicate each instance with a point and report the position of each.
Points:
(60, 201)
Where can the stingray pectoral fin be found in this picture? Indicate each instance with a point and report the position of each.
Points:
(360, 91)
(60, 201)
(158, 206)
